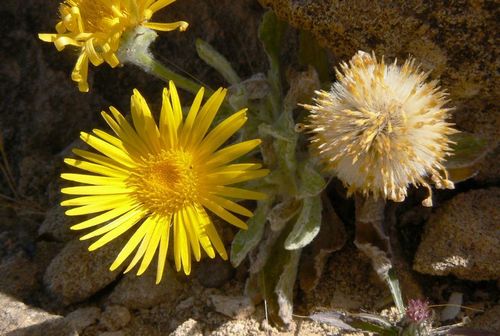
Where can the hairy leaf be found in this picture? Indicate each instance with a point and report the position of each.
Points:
(307, 225)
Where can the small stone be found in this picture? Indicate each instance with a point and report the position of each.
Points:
(115, 317)
(135, 292)
(82, 318)
(17, 276)
(76, 274)
(18, 319)
(214, 273)
(236, 307)
(489, 320)
(462, 238)
(189, 327)
(112, 333)
(56, 225)
(185, 304)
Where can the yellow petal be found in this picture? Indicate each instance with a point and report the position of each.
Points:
(149, 226)
(231, 153)
(107, 149)
(222, 133)
(95, 190)
(181, 25)
(162, 255)
(224, 214)
(159, 226)
(199, 216)
(230, 205)
(96, 168)
(101, 160)
(113, 213)
(232, 177)
(191, 117)
(215, 239)
(238, 193)
(116, 232)
(122, 220)
(191, 233)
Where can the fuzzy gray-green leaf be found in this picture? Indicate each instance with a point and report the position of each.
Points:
(217, 61)
(311, 182)
(245, 241)
(307, 225)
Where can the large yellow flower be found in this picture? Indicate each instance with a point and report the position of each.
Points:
(160, 179)
(96, 27)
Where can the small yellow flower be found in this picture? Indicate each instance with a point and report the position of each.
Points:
(382, 127)
(160, 178)
(96, 27)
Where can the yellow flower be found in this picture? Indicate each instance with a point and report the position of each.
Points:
(95, 27)
(382, 127)
(160, 178)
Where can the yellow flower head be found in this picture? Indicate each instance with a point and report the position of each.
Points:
(381, 128)
(160, 179)
(96, 27)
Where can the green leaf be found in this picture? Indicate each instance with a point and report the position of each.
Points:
(311, 183)
(281, 213)
(245, 241)
(217, 61)
(310, 53)
(393, 283)
(266, 129)
(271, 34)
(284, 287)
(468, 151)
(307, 225)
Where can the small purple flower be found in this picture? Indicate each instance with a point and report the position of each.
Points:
(418, 310)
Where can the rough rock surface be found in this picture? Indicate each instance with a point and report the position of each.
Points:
(75, 274)
(56, 225)
(237, 307)
(462, 238)
(16, 318)
(136, 292)
(82, 318)
(115, 317)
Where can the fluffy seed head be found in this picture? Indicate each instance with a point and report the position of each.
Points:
(382, 127)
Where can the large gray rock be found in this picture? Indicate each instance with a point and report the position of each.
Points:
(75, 274)
(56, 225)
(136, 292)
(18, 319)
(462, 238)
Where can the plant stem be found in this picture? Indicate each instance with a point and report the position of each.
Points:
(147, 61)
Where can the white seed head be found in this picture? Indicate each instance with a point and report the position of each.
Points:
(381, 128)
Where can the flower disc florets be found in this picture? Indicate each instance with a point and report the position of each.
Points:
(381, 128)
(96, 27)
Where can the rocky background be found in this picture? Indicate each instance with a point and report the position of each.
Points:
(51, 285)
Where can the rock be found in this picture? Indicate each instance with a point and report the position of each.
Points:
(189, 327)
(489, 320)
(75, 274)
(462, 238)
(112, 333)
(213, 273)
(136, 292)
(236, 307)
(82, 318)
(18, 319)
(56, 225)
(115, 317)
(17, 276)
